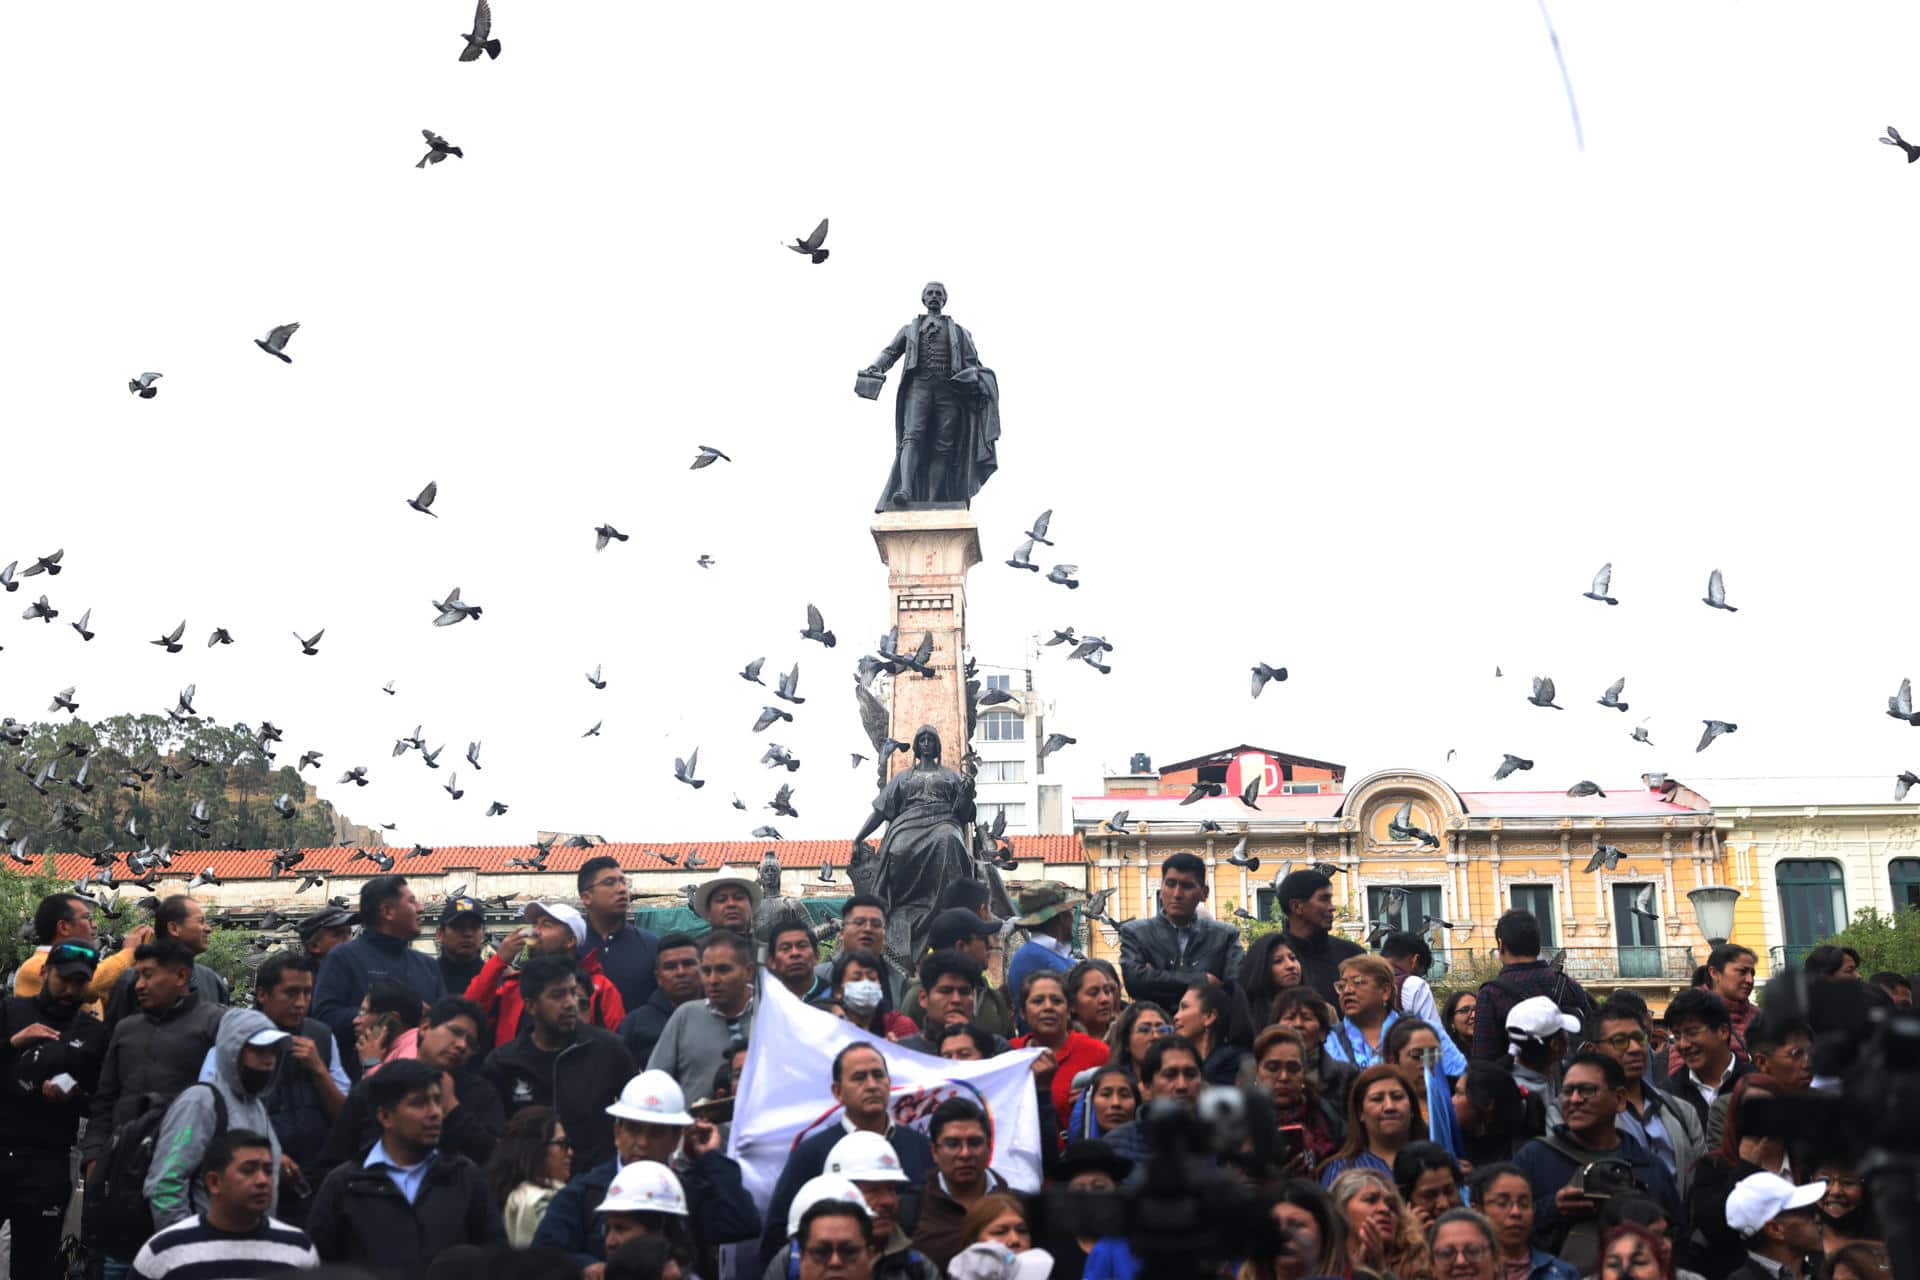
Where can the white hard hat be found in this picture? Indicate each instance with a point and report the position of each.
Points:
(652, 1097)
(828, 1186)
(645, 1187)
(863, 1156)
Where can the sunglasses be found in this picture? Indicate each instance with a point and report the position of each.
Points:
(66, 951)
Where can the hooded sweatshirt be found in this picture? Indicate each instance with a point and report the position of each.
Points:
(173, 1186)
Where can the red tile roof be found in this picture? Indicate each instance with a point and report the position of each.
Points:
(252, 864)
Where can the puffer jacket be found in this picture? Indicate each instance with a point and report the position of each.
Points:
(173, 1186)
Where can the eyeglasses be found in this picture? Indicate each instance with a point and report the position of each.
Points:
(963, 1144)
(66, 951)
(843, 1250)
(1692, 1031)
(1582, 1090)
(1792, 1053)
(1422, 1057)
(1348, 984)
(1470, 1252)
(1621, 1041)
(562, 1142)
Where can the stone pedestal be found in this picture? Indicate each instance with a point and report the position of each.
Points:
(927, 554)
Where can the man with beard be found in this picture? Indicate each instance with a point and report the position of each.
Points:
(555, 930)
(626, 952)
(676, 978)
(562, 1062)
(50, 1058)
(1306, 904)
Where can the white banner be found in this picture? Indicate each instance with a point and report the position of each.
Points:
(783, 1095)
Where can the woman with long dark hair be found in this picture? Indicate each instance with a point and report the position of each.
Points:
(1458, 1016)
(1043, 1005)
(1310, 1126)
(1133, 1033)
(1269, 967)
(1093, 994)
(1205, 1017)
(1315, 1234)
(1310, 1017)
(531, 1162)
(1382, 1117)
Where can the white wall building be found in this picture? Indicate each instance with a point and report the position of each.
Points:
(1007, 740)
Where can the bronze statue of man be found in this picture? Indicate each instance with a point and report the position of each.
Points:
(946, 415)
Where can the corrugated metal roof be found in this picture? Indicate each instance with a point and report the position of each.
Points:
(252, 864)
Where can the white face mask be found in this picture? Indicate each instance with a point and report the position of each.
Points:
(861, 996)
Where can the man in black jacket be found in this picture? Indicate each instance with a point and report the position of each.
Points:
(390, 921)
(461, 937)
(676, 978)
(310, 1083)
(155, 1053)
(50, 1057)
(1306, 904)
(471, 1117)
(180, 919)
(404, 1201)
(560, 1062)
(1160, 957)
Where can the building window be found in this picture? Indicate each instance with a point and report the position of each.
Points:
(1003, 771)
(1905, 875)
(1000, 682)
(1813, 903)
(1002, 726)
(1538, 899)
(1422, 902)
(986, 814)
(1639, 937)
(1299, 788)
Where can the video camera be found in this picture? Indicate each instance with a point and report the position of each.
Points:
(1186, 1212)
(1872, 1120)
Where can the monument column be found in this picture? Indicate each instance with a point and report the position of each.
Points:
(927, 553)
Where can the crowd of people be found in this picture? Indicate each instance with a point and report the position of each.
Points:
(560, 1107)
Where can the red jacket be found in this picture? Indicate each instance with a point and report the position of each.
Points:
(497, 991)
(1080, 1052)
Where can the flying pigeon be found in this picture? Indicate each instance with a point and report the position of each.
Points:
(858, 759)
(1263, 673)
(826, 872)
(432, 757)
(1510, 765)
(308, 647)
(310, 758)
(1063, 637)
(143, 387)
(495, 809)
(170, 641)
(782, 802)
(595, 731)
(1602, 583)
(1904, 783)
(811, 245)
(1543, 694)
(275, 343)
(1585, 788)
(1714, 729)
(1038, 530)
(683, 770)
(1893, 139)
(473, 755)
(1239, 858)
(705, 561)
(1203, 790)
(994, 697)
(356, 775)
(438, 149)
(453, 609)
(1118, 824)
(6, 576)
(1054, 742)
(42, 610)
(63, 701)
(1611, 698)
(768, 716)
(1900, 705)
(1022, 557)
(1640, 735)
(605, 533)
(453, 786)
(425, 500)
(786, 686)
(284, 806)
(817, 629)
(1642, 904)
(1716, 596)
(311, 880)
(478, 40)
(204, 876)
(595, 680)
(418, 851)
(777, 755)
(1402, 828)
(1250, 793)
(48, 564)
(707, 456)
(220, 636)
(1063, 574)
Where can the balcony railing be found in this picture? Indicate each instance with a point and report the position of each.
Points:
(1629, 964)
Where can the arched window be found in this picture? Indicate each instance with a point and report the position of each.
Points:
(1813, 903)
(1905, 875)
(1002, 726)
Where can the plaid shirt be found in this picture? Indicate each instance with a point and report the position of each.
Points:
(1519, 982)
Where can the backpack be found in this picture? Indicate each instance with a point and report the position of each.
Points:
(1578, 1241)
(115, 1216)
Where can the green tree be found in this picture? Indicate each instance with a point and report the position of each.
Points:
(227, 953)
(20, 894)
(1885, 942)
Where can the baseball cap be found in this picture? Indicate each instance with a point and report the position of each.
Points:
(462, 911)
(956, 925)
(828, 1186)
(652, 1097)
(73, 960)
(268, 1036)
(326, 918)
(645, 1186)
(566, 915)
(864, 1156)
(1539, 1018)
(1759, 1198)
(990, 1261)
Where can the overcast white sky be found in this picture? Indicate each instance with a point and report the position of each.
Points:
(1321, 339)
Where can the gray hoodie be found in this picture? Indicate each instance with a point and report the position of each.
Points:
(174, 1187)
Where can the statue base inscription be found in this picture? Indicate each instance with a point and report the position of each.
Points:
(927, 554)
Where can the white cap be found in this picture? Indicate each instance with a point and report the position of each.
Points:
(566, 915)
(270, 1036)
(651, 1098)
(990, 1261)
(645, 1187)
(1538, 1018)
(863, 1156)
(827, 1186)
(1759, 1198)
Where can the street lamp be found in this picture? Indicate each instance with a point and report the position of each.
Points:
(1713, 909)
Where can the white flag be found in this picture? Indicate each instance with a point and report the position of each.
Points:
(782, 1097)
